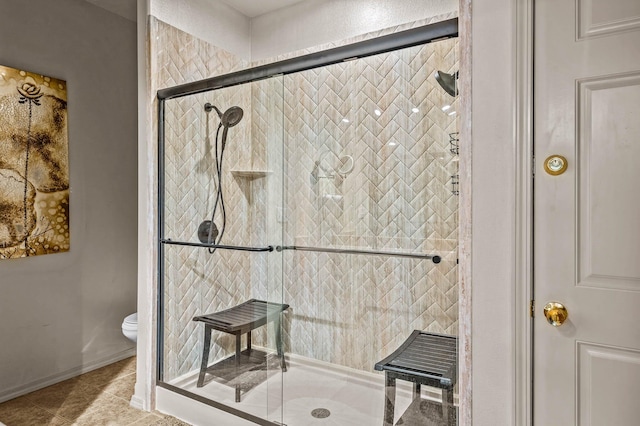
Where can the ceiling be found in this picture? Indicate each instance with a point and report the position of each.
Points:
(249, 8)
(125, 8)
(253, 8)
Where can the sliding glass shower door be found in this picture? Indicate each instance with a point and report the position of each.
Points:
(308, 236)
(221, 295)
(370, 233)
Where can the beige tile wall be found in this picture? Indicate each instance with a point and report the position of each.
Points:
(195, 281)
(346, 309)
(353, 310)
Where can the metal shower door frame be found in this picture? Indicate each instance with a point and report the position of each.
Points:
(404, 39)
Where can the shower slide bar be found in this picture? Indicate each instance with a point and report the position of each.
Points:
(434, 258)
(217, 246)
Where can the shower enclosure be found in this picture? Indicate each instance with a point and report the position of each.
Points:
(308, 223)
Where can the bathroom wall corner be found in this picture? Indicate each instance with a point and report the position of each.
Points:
(144, 393)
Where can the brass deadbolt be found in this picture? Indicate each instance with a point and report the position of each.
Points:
(555, 165)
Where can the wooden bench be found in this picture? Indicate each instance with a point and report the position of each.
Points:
(239, 320)
(425, 359)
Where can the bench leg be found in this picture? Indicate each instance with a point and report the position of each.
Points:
(238, 352)
(390, 399)
(416, 390)
(249, 342)
(205, 355)
(447, 403)
(278, 326)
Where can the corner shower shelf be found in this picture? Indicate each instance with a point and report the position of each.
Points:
(251, 174)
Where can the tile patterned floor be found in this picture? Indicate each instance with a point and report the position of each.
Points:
(98, 398)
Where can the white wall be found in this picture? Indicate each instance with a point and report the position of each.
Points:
(211, 21)
(493, 212)
(61, 314)
(302, 25)
(315, 22)
(144, 395)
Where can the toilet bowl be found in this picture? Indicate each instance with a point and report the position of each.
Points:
(130, 327)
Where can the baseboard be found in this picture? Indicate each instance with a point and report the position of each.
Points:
(24, 389)
(136, 402)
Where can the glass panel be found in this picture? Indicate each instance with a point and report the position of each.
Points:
(223, 164)
(358, 156)
(371, 164)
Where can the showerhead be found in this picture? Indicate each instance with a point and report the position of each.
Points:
(230, 117)
(448, 82)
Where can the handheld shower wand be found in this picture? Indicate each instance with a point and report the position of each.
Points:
(230, 118)
(208, 232)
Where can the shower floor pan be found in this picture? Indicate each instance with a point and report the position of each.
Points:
(255, 367)
(352, 397)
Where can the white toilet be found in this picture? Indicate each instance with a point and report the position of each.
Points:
(130, 327)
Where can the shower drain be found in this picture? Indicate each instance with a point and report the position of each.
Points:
(321, 413)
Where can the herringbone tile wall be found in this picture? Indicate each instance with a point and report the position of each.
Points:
(195, 281)
(358, 155)
(385, 113)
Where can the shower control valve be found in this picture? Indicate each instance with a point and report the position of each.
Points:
(207, 232)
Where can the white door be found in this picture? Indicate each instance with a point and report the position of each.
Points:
(587, 219)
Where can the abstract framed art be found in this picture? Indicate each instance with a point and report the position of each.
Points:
(34, 164)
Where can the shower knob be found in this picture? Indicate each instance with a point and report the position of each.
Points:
(203, 232)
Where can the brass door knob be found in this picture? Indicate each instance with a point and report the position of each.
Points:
(556, 313)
